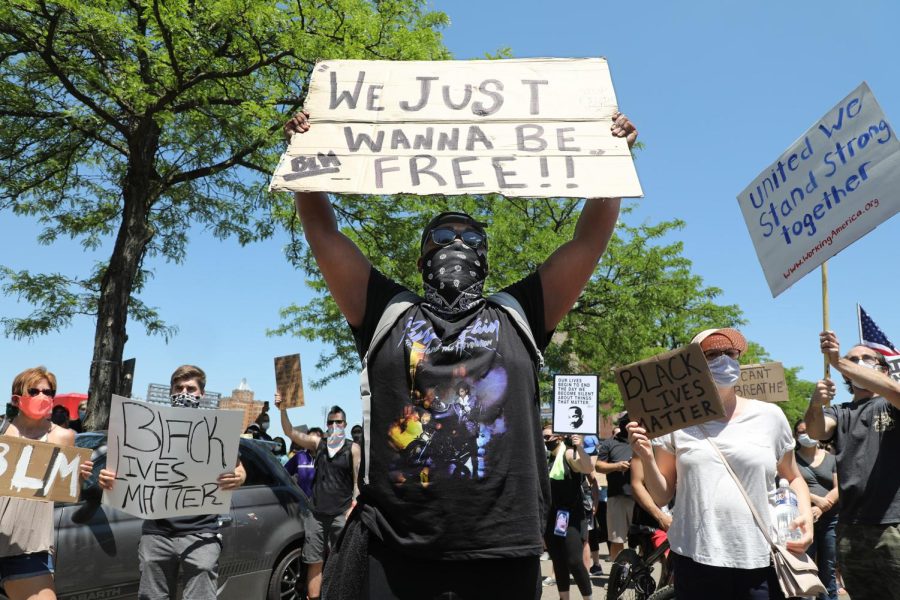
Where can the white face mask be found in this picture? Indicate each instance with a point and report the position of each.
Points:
(725, 370)
(807, 442)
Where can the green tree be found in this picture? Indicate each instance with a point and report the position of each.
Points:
(643, 285)
(138, 120)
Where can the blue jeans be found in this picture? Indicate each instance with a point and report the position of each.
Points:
(824, 551)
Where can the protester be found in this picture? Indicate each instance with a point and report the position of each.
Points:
(302, 465)
(77, 425)
(334, 489)
(27, 526)
(356, 433)
(279, 450)
(600, 532)
(718, 549)
(262, 422)
(614, 460)
(433, 526)
(567, 519)
(819, 470)
(186, 545)
(60, 416)
(648, 517)
(866, 438)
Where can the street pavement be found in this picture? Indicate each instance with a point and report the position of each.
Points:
(598, 581)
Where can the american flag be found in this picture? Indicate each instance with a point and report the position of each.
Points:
(870, 335)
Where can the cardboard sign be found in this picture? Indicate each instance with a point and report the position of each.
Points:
(533, 128)
(836, 183)
(575, 404)
(289, 380)
(40, 471)
(764, 382)
(167, 459)
(894, 367)
(670, 391)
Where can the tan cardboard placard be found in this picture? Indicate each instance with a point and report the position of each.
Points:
(519, 127)
(40, 471)
(289, 380)
(167, 459)
(670, 391)
(763, 382)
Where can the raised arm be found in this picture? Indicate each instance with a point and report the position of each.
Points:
(579, 460)
(642, 495)
(818, 425)
(304, 440)
(658, 465)
(565, 273)
(874, 380)
(344, 267)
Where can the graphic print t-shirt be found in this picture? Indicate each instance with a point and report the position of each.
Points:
(457, 462)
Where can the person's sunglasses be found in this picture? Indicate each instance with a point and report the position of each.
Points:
(35, 391)
(334, 421)
(443, 236)
(868, 359)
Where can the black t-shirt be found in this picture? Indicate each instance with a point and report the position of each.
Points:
(455, 475)
(819, 479)
(867, 444)
(614, 450)
(333, 484)
(182, 525)
(566, 494)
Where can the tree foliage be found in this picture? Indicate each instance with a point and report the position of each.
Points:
(139, 121)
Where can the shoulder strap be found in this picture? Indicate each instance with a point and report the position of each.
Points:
(759, 522)
(508, 303)
(395, 309)
(4, 425)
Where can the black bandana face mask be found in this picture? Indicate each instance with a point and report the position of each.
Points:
(185, 400)
(454, 276)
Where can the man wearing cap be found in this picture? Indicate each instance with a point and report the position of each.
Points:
(717, 548)
(432, 520)
(866, 437)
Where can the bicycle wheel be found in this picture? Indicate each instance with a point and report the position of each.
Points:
(629, 578)
(664, 593)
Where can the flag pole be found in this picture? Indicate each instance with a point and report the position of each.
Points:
(859, 322)
(825, 311)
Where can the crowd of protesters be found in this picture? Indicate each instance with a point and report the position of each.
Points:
(447, 490)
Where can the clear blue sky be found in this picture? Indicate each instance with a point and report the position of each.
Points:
(717, 89)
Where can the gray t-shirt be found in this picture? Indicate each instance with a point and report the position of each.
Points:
(712, 523)
(867, 445)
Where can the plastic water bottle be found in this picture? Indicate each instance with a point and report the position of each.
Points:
(785, 510)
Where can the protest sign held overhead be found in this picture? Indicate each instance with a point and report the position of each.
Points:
(40, 471)
(167, 459)
(575, 404)
(527, 127)
(670, 391)
(289, 380)
(763, 382)
(893, 367)
(836, 183)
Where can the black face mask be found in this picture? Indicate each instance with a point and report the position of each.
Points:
(59, 418)
(453, 277)
(551, 445)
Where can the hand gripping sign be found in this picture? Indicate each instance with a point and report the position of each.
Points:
(167, 459)
(533, 127)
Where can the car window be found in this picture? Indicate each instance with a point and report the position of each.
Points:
(259, 470)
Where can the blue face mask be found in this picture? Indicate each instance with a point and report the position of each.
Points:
(725, 370)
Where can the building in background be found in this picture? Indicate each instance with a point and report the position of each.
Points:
(242, 399)
(158, 393)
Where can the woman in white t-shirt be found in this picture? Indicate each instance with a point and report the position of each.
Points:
(719, 552)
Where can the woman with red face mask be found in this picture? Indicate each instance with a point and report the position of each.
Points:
(26, 526)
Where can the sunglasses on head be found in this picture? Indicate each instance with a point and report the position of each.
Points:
(36, 391)
(443, 236)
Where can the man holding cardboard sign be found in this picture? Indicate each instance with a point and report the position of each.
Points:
(189, 545)
(719, 551)
(433, 518)
(26, 525)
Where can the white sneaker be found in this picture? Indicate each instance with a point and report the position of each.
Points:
(548, 581)
(545, 556)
